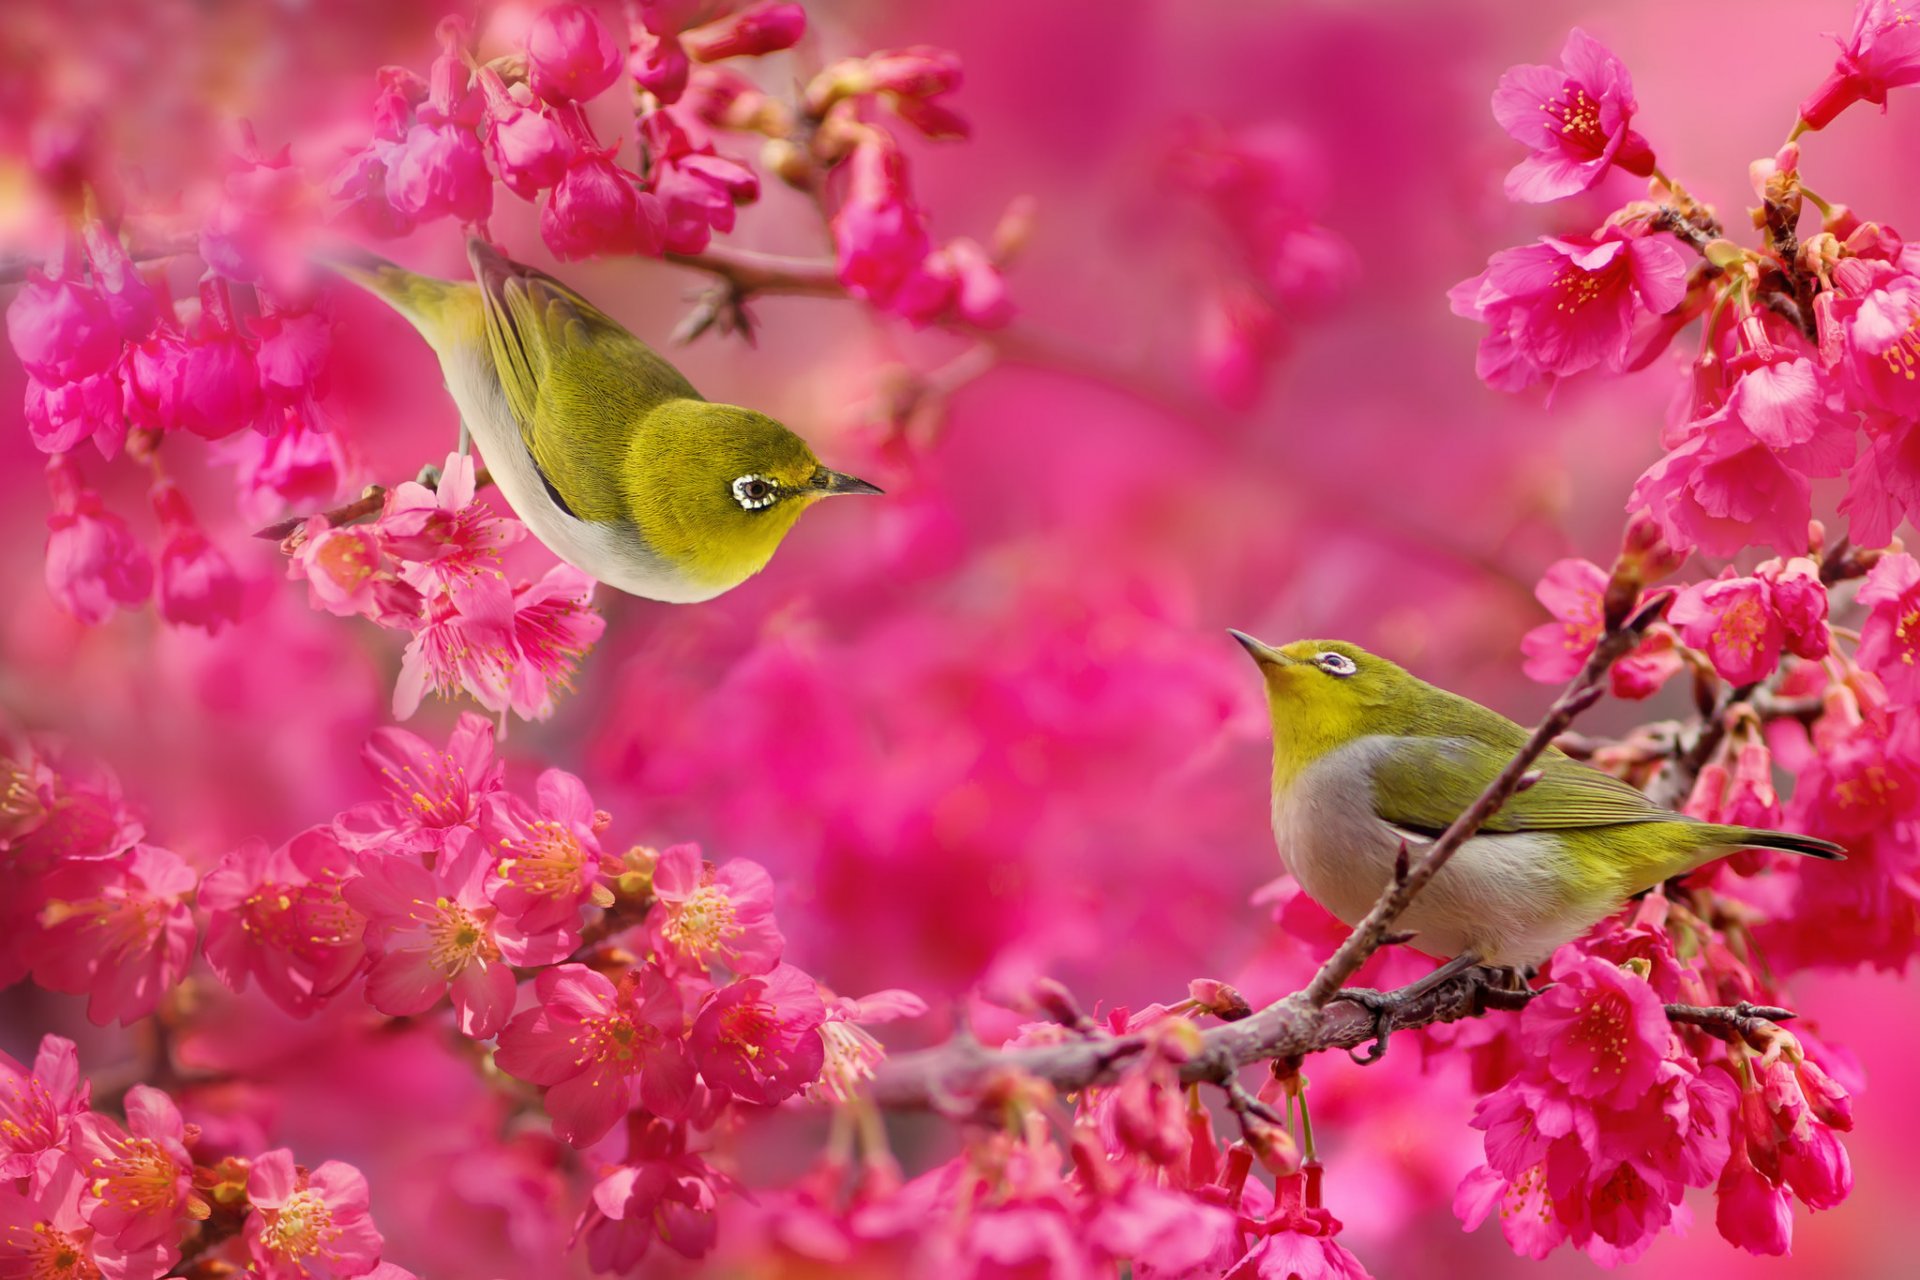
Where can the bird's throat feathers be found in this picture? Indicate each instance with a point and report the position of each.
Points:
(1310, 718)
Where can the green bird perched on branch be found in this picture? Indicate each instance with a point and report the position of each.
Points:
(602, 448)
(1368, 759)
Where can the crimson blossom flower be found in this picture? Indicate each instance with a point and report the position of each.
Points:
(442, 535)
(706, 915)
(1890, 636)
(93, 562)
(42, 1234)
(589, 1043)
(139, 1180)
(429, 932)
(196, 585)
(1575, 118)
(431, 794)
(549, 853)
(38, 1107)
(309, 1226)
(1574, 592)
(118, 929)
(1567, 303)
(570, 55)
(1882, 52)
(759, 1038)
(279, 917)
(660, 1191)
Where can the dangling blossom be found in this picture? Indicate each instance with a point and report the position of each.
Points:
(69, 338)
(1567, 304)
(139, 1180)
(529, 150)
(1882, 52)
(38, 1106)
(708, 916)
(119, 930)
(1574, 592)
(93, 563)
(597, 207)
(852, 1053)
(593, 1045)
(433, 931)
(759, 1038)
(698, 189)
(196, 585)
(438, 169)
(1575, 117)
(661, 1191)
(465, 642)
(570, 55)
(302, 467)
(554, 624)
(279, 917)
(309, 1226)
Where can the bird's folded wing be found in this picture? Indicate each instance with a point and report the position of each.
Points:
(576, 381)
(1423, 784)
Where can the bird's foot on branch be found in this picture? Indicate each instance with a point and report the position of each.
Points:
(1463, 980)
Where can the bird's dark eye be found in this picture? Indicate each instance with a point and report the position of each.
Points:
(1335, 664)
(754, 492)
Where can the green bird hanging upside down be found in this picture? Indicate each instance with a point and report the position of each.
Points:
(1366, 756)
(608, 455)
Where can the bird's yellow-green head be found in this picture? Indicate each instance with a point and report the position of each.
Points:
(1323, 694)
(713, 488)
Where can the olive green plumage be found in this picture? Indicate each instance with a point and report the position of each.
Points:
(1366, 754)
(606, 452)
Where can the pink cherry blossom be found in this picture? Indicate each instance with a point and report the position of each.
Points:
(529, 150)
(196, 585)
(278, 916)
(430, 793)
(1574, 592)
(852, 1053)
(661, 1192)
(879, 235)
(341, 567)
(1574, 117)
(62, 330)
(1890, 637)
(465, 642)
(443, 535)
(593, 1045)
(303, 467)
(433, 931)
(309, 1226)
(119, 930)
(570, 56)
(1881, 357)
(710, 916)
(1604, 1030)
(554, 624)
(597, 208)
(1732, 621)
(438, 171)
(139, 1180)
(93, 563)
(1752, 1212)
(1882, 52)
(696, 187)
(1800, 601)
(38, 1106)
(1567, 304)
(292, 355)
(549, 853)
(42, 1233)
(759, 1038)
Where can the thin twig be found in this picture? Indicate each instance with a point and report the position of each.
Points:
(368, 503)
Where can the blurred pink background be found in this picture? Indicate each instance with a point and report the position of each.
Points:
(991, 726)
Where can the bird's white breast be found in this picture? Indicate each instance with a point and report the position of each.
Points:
(612, 552)
(1499, 895)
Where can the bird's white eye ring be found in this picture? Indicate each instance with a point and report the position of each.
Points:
(755, 492)
(1335, 664)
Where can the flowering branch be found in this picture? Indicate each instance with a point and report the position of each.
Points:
(367, 504)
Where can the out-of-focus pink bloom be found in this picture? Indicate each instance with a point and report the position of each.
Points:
(529, 150)
(980, 294)
(554, 624)
(38, 1107)
(431, 794)
(1239, 336)
(93, 563)
(207, 383)
(1882, 52)
(431, 932)
(42, 1234)
(851, 1051)
(360, 185)
(1751, 1212)
(309, 1226)
(1575, 117)
(759, 1038)
(1574, 592)
(589, 1043)
(570, 55)
(1741, 797)
(139, 1189)
(128, 298)
(62, 330)
(465, 641)
(1883, 486)
(118, 929)
(440, 170)
(709, 916)
(549, 853)
(880, 237)
(340, 567)
(196, 585)
(599, 208)
(61, 415)
(1602, 1030)
(1299, 1244)
(1565, 305)
(752, 33)
(696, 188)
(292, 354)
(1890, 636)
(443, 534)
(1800, 601)
(279, 916)
(1733, 622)
(301, 467)
(661, 1192)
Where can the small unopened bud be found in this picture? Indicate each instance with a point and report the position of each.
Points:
(1724, 254)
(1272, 1146)
(1645, 547)
(1219, 999)
(786, 161)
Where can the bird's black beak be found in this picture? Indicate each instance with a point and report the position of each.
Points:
(1264, 654)
(833, 483)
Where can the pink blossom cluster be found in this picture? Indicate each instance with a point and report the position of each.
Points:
(1265, 188)
(86, 1194)
(429, 566)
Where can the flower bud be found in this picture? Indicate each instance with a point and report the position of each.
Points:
(764, 29)
(570, 55)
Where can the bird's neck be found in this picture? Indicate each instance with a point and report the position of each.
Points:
(1303, 732)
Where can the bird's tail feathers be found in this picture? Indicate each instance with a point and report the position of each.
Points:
(439, 309)
(1791, 841)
